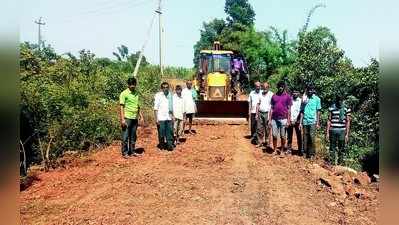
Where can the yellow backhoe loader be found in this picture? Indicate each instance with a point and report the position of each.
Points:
(220, 78)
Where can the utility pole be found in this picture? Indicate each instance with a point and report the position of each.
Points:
(40, 24)
(159, 11)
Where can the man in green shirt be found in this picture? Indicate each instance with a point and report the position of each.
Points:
(129, 112)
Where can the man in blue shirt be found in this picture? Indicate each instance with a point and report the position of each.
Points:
(310, 120)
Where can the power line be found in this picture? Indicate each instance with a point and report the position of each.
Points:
(107, 7)
(106, 10)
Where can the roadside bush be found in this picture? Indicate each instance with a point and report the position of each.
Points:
(71, 103)
(320, 62)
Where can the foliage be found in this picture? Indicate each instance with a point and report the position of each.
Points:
(208, 34)
(264, 51)
(123, 53)
(322, 63)
(71, 102)
(179, 72)
(318, 54)
(310, 13)
(313, 57)
(287, 47)
(239, 11)
(127, 61)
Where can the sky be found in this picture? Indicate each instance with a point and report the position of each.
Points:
(102, 25)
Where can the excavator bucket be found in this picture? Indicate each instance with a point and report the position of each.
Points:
(231, 112)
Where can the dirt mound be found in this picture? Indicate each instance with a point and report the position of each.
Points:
(342, 181)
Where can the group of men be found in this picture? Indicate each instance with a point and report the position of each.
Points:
(170, 111)
(284, 112)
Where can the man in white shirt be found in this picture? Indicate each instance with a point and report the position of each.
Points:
(178, 113)
(163, 110)
(189, 96)
(262, 115)
(295, 122)
(253, 100)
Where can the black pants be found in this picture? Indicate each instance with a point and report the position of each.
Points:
(129, 136)
(165, 134)
(298, 132)
(254, 127)
(309, 140)
(337, 146)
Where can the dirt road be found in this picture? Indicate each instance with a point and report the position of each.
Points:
(216, 177)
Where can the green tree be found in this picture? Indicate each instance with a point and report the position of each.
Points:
(87, 62)
(239, 11)
(127, 61)
(208, 34)
(318, 55)
(262, 53)
(29, 61)
(288, 53)
(122, 54)
(322, 63)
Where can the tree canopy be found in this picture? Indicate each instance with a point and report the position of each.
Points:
(239, 11)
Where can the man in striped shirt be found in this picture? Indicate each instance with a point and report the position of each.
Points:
(338, 127)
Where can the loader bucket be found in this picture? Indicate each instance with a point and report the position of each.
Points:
(222, 109)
